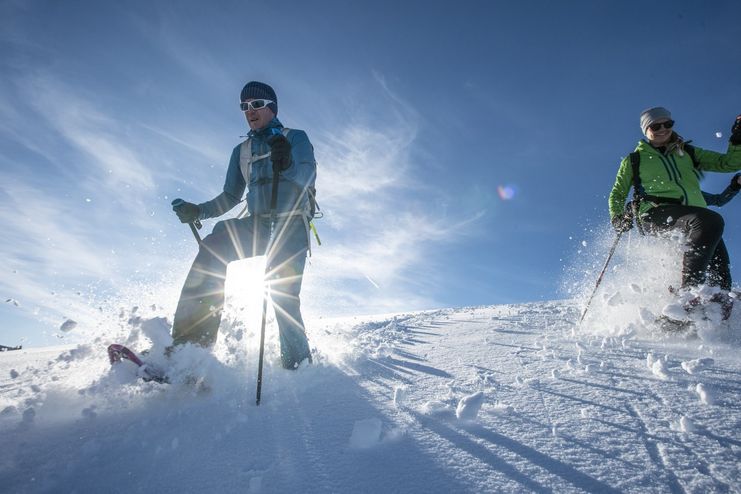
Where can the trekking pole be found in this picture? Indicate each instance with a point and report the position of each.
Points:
(194, 225)
(273, 214)
(599, 280)
(636, 215)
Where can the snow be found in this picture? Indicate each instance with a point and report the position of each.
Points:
(674, 311)
(366, 433)
(68, 325)
(704, 394)
(686, 425)
(469, 406)
(480, 399)
(658, 368)
(400, 394)
(693, 366)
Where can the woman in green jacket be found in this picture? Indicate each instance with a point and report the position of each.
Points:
(667, 192)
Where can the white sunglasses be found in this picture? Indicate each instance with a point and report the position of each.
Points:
(255, 104)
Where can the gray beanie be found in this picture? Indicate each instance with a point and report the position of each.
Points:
(653, 114)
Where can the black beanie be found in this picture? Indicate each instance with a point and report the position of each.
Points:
(260, 90)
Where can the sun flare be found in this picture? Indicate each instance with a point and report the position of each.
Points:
(245, 283)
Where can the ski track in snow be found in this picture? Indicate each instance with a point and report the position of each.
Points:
(561, 410)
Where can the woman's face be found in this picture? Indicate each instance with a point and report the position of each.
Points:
(659, 132)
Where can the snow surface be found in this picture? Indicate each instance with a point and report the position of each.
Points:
(488, 399)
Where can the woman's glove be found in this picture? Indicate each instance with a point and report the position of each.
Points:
(622, 222)
(735, 138)
(736, 182)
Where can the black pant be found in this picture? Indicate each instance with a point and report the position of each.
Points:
(707, 256)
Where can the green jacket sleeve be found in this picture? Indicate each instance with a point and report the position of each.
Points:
(619, 192)
(718, 162)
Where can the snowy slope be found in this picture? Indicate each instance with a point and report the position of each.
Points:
(490, 399)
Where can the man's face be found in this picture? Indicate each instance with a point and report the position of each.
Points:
(258, 119)
(659, 135)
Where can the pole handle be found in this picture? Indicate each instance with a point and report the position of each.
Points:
(194, 225)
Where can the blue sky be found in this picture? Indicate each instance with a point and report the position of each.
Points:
(465, 150)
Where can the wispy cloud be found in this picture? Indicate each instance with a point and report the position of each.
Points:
(385, 224)
(193, 141)
(188, 52)
(85, 223)
(58, 263)
(42, 250)
(40, 230)
(361, 167)
(90, 131)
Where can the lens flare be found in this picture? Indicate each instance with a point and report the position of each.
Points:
(506, 192)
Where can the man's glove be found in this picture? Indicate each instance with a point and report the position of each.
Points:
(622, 222)
(736, 182)
(280, 152)
(735, 138)
(187, 211)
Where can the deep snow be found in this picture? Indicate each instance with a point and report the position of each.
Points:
(488, 399)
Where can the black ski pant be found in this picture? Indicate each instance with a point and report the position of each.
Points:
(198, 314)
(706, 259)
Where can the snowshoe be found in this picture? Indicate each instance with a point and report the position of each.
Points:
(147, 372)
(670, 325)
(705, 303)
(198, 384)
(725, 299)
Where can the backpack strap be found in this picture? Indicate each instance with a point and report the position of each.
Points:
(245, 166)
(246, 158)
(692, 154)
(638, 192)
(314, 210)
(690, 150)
(635, 163)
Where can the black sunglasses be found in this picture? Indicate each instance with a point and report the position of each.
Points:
(667, 125)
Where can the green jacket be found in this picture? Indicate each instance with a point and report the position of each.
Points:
(671, 175)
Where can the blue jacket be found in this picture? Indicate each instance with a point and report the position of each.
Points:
(722, 198)
(292, 186)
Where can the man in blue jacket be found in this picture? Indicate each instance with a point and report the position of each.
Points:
(268, 146)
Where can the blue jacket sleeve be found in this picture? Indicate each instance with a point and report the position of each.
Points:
(303, 169)
(234, 187)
